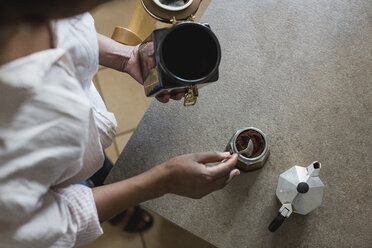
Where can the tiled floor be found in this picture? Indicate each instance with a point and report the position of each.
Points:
(125, 98)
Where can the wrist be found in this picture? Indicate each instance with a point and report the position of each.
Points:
(113, 54)
(126, 56)
(164, 171)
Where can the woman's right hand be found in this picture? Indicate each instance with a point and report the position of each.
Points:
(187, 175)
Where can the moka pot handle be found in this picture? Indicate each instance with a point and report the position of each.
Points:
(284, 212)
(276, 223)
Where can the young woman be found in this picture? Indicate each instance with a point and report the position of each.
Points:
(54, 128)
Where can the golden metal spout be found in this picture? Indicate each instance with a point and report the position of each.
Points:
(140, 27)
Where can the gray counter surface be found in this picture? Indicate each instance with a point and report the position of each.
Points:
(301, 71)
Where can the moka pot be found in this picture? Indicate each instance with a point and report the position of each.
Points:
(300, 190)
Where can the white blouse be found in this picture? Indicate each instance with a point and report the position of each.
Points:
(53, 129)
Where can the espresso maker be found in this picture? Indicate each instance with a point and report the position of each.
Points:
(300, 191)
(186, 53)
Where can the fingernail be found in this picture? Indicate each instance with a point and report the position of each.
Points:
(225, 154)
(236, 172)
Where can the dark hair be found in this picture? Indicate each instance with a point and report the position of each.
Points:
(36, 11)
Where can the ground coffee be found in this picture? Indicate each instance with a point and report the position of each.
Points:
(257, 139)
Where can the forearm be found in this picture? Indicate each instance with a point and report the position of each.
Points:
(113, 198)
(113, 54)
(185, 175)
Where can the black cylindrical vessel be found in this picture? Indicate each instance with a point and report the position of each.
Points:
(186, 54)
(189, 53)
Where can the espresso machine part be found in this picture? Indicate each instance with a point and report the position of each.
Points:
(147, 12)
(171, 11)
(241, 139)
(300, 190)
(187, 55)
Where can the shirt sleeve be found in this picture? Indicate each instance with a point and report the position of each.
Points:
(46, 134)
(64, 217)
(81, 206)
(45, 120)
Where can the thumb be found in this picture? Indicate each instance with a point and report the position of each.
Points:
(225, 167)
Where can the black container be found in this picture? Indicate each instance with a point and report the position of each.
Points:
(186, 54)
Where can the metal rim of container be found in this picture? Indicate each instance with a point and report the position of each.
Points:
(168, 16)
(233, 144)
(170, 8)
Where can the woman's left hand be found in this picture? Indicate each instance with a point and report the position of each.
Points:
(137, 61)
(139, 65)
(141, 61)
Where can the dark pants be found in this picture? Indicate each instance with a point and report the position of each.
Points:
(99, 177)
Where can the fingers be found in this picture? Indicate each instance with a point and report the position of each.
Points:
(174, 94)
(225, 167)
(150, 63)
(225, 180)
(211, 157)
(232, 175)
(163, 97)
(177, 96)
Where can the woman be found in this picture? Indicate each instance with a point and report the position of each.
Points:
(54, 128)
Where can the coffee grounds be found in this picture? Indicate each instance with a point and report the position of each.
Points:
(257, 139)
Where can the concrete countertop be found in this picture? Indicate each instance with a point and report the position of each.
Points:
(301, 71)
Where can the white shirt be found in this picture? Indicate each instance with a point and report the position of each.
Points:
(53, 129)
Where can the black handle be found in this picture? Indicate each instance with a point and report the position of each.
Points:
(275, 224)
